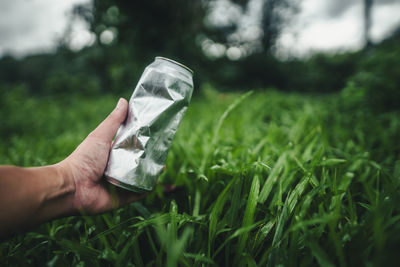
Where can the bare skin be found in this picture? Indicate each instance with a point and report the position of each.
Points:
(30, 196)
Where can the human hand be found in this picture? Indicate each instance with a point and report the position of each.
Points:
(84, 168)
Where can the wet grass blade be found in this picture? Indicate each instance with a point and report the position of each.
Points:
(272, 178)
(249, 211)
(216, 211)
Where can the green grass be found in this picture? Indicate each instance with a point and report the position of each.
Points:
(261, 179)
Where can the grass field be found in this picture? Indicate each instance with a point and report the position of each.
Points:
(261, 179)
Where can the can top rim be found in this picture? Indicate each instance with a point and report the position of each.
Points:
(177, 63)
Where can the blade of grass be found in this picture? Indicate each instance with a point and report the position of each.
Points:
(319, 254)
(272, 177)
(249, 211)
(221, 120)
(215, 212)
(238, 233)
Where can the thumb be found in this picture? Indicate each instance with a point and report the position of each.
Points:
(108, 128)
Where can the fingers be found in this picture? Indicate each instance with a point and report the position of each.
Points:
(108, 128)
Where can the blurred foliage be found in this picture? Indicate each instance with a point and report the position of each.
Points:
(144, 29)
(274, 14)
(321, 72)
(376, 84)
(140, 31)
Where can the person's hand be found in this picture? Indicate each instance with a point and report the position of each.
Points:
(30, 196)
(84, 168)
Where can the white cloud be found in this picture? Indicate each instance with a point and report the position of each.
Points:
(32, 26)
(385, 19)
(315, 29)
(326, 34)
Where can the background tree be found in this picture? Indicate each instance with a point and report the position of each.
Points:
(275, 14)
(367, 22)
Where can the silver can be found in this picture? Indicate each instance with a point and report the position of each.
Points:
(156, 108)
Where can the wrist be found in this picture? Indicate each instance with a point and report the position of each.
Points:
(67, 185)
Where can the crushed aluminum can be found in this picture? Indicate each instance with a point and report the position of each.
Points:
(156, 108)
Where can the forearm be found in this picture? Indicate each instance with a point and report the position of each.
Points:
(30, 196)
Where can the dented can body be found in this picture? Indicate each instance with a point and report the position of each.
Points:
(156, 108)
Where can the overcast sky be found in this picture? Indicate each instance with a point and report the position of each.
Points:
(29, 26)
(337, 25)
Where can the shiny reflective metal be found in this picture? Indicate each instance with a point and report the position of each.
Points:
(156, 108)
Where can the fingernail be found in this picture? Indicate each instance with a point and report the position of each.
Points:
(119, 104)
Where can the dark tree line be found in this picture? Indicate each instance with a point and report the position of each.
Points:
(140, 30)
(144, 29)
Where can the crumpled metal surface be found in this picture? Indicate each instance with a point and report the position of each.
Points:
(156, 108)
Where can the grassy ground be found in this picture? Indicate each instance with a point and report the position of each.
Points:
(262, 179)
